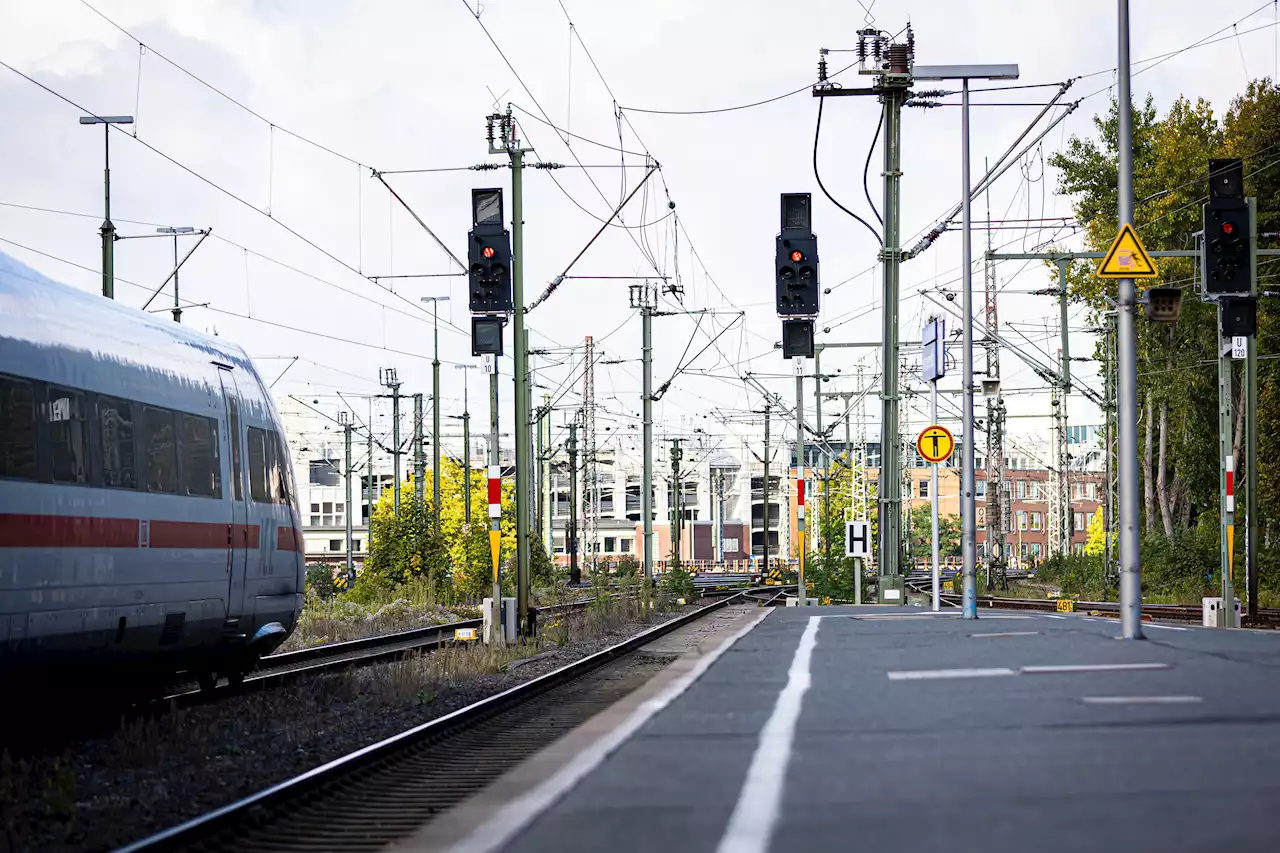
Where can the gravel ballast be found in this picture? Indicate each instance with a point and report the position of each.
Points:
(153, 773)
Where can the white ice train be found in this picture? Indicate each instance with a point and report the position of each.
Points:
(148, 518)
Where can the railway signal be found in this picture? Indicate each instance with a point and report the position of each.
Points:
(488, 255)
(1227, 248)
(797, 259)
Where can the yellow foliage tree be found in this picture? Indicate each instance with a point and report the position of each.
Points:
(1097, 541)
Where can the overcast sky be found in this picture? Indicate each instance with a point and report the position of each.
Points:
(406, 85)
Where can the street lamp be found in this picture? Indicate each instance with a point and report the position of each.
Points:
(107, 230)
(175, 231)
(435, 406)
(968, 503)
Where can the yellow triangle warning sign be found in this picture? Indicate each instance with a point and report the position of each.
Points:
(1126, 258)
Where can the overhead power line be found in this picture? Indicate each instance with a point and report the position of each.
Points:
(150, 49)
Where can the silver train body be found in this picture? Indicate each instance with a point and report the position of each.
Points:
(148, 518)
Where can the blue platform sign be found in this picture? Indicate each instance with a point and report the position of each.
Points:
(933, 358)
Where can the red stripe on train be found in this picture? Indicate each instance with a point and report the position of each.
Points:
(67, 531)
(73, 531)
(289, 539)
(189, 534)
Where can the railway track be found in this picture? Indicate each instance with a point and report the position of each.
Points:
(285, 667)
(1267, 617)
(385, 791)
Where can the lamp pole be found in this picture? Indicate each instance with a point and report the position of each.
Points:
(968, 503)
(107, 230)
(435, 409)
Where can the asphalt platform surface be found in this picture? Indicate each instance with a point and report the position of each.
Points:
(927, 732)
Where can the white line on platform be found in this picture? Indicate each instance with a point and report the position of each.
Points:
(1051, 616)
(1141, 700)
(1091, 667)
(1009, 634)
(994, 672)
(515, 816)
(1164, 627)
(928, 674)
(754, 817)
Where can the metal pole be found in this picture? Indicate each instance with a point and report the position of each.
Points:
(890, 493)
(968, 504)
(1251, 438)
(177, 310)
(419, 461)
(548, 506)
(435, 418)
(395, 445)
(571, 537)
(1064, 475)
(646, 481)
(817, 534)
(765, 537)
(108, 229)
(466, 451)
(801, 592)
(498, 630)
(539, 452)
(1108, 516)
(520, 344)
(1226, 467)
(371, 497)
(347, 472)
(933, 492)
(848, 454)
(675, 511)
(1127, 371)
(720, 520)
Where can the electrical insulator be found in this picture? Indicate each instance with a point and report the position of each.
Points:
(862, 48)
(822, 69)
(876, 45)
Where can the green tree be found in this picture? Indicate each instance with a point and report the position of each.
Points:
(403, 547)
(832, 574)
(922, 534)
(1177, 396)
(457, 563)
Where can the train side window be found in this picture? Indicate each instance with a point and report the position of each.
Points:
(118, 467)
(68, 435)
(258, 465)
(201, 465)
(17, 429)
(161, 452)
(282, 477)
(237, 487)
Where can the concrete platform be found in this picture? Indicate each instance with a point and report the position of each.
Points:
(896, 729)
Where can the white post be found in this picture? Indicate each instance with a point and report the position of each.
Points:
(933, 493)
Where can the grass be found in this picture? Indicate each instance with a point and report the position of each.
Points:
(338, 619)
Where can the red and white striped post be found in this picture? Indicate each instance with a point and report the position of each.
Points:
(495, 503)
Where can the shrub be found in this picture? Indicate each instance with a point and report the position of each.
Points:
(628, 567)
(320, 580)
(678, 583)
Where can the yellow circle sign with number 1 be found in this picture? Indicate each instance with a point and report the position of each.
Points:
(935, 443)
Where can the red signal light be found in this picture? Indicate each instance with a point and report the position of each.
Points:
(797, 256)
(487, 252)
(1228, 228)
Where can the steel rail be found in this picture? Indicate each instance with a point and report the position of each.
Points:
(248, 811)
